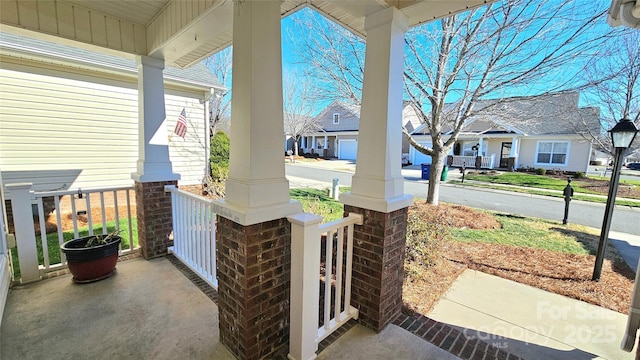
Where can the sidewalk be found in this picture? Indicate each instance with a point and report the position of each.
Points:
(529, 322)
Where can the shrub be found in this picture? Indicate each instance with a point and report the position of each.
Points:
(541, 171)
(219, 156)
(214, 184)
(579, 175)
(425, 239)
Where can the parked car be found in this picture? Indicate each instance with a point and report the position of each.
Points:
(634, 166)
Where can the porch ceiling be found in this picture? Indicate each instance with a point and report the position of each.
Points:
(185, 32)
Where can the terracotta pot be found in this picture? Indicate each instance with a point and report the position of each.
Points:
(89, 264)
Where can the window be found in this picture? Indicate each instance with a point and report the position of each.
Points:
(336, 118)
(552, 153)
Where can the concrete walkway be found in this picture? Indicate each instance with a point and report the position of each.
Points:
(628, 246)
(530, 322)
(395, 343)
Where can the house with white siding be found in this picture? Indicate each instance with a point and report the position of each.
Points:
(551, 132)
(69, 116)
(338, 128)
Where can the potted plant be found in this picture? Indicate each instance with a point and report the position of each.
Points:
(92, 258)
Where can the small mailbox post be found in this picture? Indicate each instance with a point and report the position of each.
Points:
(568, 193)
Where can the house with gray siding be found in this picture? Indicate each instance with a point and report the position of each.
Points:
(551, 132)
(338, 126)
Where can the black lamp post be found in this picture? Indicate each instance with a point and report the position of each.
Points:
(622, 136)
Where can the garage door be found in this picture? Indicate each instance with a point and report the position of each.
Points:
(347, 149)
(420, 158)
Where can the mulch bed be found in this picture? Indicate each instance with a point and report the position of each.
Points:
(561, 273)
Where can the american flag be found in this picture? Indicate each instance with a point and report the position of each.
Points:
(181, 125)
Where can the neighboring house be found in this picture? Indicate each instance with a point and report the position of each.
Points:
(549, 132)
(69, 117)
(599, 158)
(338, 135)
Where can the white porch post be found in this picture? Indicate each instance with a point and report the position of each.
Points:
(378, 183)
(153, 144)
(305, 261)
(335, 146)
(480, 145)
(257, 189)
(313, 142)
(25, 235)
(515, 150)
(252, 233)
(154, 170)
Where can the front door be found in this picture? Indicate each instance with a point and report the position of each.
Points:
(505, 152)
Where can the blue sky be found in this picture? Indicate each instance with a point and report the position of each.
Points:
(291, 65)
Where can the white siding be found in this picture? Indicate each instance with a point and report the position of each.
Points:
(63, 130)
(578, 157)
(189, 155)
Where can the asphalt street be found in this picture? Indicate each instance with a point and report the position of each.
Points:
(625, 219)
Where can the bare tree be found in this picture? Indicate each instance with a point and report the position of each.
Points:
(333, 57)
(298, 108)
(511, 48)
(515, 47)
(616, 84)
(220, 103)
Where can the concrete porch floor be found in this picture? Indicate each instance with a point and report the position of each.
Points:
(150, 310)
(147, 310)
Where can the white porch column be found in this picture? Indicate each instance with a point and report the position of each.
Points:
(515, 151)
(514, 147)
(153, 144)
(480, 146)
(335, 146)
(257, 190)
(378, 183)
(313, 142)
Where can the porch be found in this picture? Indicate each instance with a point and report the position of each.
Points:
(155, 310)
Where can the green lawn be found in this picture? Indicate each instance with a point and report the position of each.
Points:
(319, 203)
(537, 184)
(532, 232)
(53, 244)
(530, 180)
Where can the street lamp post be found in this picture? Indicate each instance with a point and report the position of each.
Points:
(622, 135)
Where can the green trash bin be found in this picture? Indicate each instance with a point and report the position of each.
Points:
(445, 171)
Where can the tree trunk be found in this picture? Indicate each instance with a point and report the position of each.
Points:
(437, 163)
(295, 147)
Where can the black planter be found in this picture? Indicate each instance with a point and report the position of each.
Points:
(89, 264)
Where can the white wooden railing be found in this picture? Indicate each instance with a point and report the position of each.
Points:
(66, 203)
(306, 237)
(470, 161)
(194, 235)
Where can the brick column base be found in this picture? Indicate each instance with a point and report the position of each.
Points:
(254, 276)
(378, 265)
(153, 211)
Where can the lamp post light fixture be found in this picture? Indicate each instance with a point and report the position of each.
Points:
(622, 135)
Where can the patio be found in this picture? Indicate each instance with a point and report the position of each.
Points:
(150, 310)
